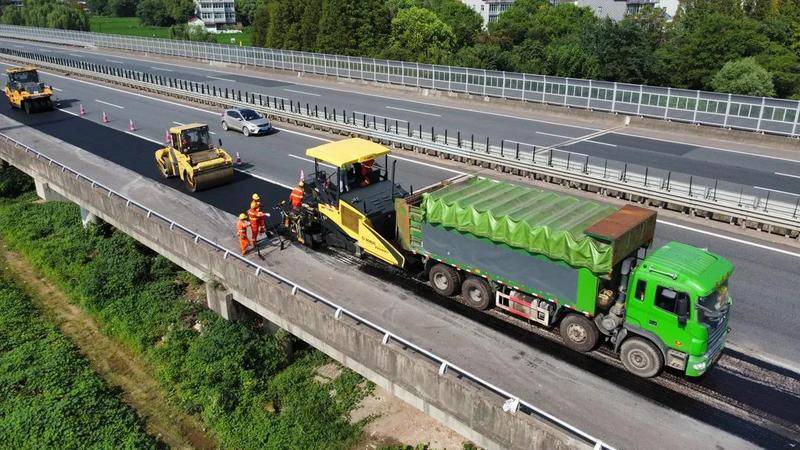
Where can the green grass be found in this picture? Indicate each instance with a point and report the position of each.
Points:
(233, 375)
(50, 398)
(130, 26)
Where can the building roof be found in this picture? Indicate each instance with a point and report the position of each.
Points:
(348, 151)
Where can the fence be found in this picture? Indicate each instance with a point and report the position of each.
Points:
(761, 114)
(762, 207)
(516, 404)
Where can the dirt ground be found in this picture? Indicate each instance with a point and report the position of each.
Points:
(116, 364)
(395, 422)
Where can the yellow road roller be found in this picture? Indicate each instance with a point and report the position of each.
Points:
(191, 156)
(25, 91)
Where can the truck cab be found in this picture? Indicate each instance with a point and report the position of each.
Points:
(677, 311)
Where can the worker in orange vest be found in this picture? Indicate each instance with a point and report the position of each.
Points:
(241, 230)
(366, 172)
(257, 218)
(296, 197)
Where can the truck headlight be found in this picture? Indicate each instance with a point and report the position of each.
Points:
(699, 366)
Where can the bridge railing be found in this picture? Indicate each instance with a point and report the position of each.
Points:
(513, 403)
(760, 114)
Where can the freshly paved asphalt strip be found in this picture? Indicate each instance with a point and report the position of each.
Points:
(750, 170)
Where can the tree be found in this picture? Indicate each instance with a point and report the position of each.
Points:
(13, 16)
(309, 24)
(246, 11)
(744, 76)
(48, 14)
(180, 10)
(120, 8)
(465, 23)
(97, 7)
(153, 12)
(352, 28)
(627, 50)
(419, 34)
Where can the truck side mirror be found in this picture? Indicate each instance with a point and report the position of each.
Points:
(682, 309)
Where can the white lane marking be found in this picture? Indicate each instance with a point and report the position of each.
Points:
(57, 89)
(161, 68)
(556, 135)
(787, 175)
(211, 132)
(303, 92)
(775, 190)
(413, 161)
(310, 160)
(45, 50)
(378, 115)
(178, 123)
(521, 143)
(602, 143)
(220, 79)
(109, 104)
(732, 239)
(413, 111)
(76, 55)
(114, 61)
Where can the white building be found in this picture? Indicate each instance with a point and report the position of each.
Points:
(488, 9)
(215, 14)
(616, 9)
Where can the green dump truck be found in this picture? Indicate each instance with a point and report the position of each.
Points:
(556, 260)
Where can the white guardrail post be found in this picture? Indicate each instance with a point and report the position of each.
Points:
(773, 209)
(783, 125)
(339, 311)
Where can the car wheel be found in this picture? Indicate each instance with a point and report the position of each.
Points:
(444, 279)
(477, 293)
(245, 131)
(641, 357)
(579, 333)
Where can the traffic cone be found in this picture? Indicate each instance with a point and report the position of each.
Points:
(82, 110)
(131, 126)
(105, 117)
(238, 159)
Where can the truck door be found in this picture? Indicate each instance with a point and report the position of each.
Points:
(663, 320)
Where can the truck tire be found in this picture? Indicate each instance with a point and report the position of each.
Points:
(27, 107)
(477, 293)
(579, 333)
(191, 185)
(444, 279)
(641, 357)
(163, 168)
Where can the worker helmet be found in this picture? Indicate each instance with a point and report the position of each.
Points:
(242, 216)
(301, 183)
(256, 197)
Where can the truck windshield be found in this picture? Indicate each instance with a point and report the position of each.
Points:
(711, 308)
(195, 140)
(25, 77)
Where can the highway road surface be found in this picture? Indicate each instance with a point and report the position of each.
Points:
(732, 165)
(763, 284)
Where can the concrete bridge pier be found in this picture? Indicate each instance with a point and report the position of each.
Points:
(220, 300)
(88, 218)
(46, 193)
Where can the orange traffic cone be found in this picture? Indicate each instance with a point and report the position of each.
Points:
(82, 110)
(131, 126)
(238, 159)
(105, 117)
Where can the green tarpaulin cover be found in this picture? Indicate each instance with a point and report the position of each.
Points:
(539, 221)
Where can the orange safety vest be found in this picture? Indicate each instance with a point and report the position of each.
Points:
(255, 204)
(241, 228)
(254, 214)
(296, 197)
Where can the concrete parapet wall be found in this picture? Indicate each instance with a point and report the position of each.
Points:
(465, 407)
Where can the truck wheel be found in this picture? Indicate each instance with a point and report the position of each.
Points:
(641, 357)
(579, 333)
(163, 168)
(190, 182)
(477, 293)
(444, 279)
(27, 107)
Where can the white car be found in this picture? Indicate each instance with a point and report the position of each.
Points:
(245, 120)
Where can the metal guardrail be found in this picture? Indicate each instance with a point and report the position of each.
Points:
(760, 114)
(768, 208)
(513, 404)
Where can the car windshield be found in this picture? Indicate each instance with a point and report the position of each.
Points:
(249, 114)
(711, 308)
(195, 140)
(25, 77)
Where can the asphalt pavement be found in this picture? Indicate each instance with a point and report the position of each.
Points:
(732, 167)
(763, 283)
